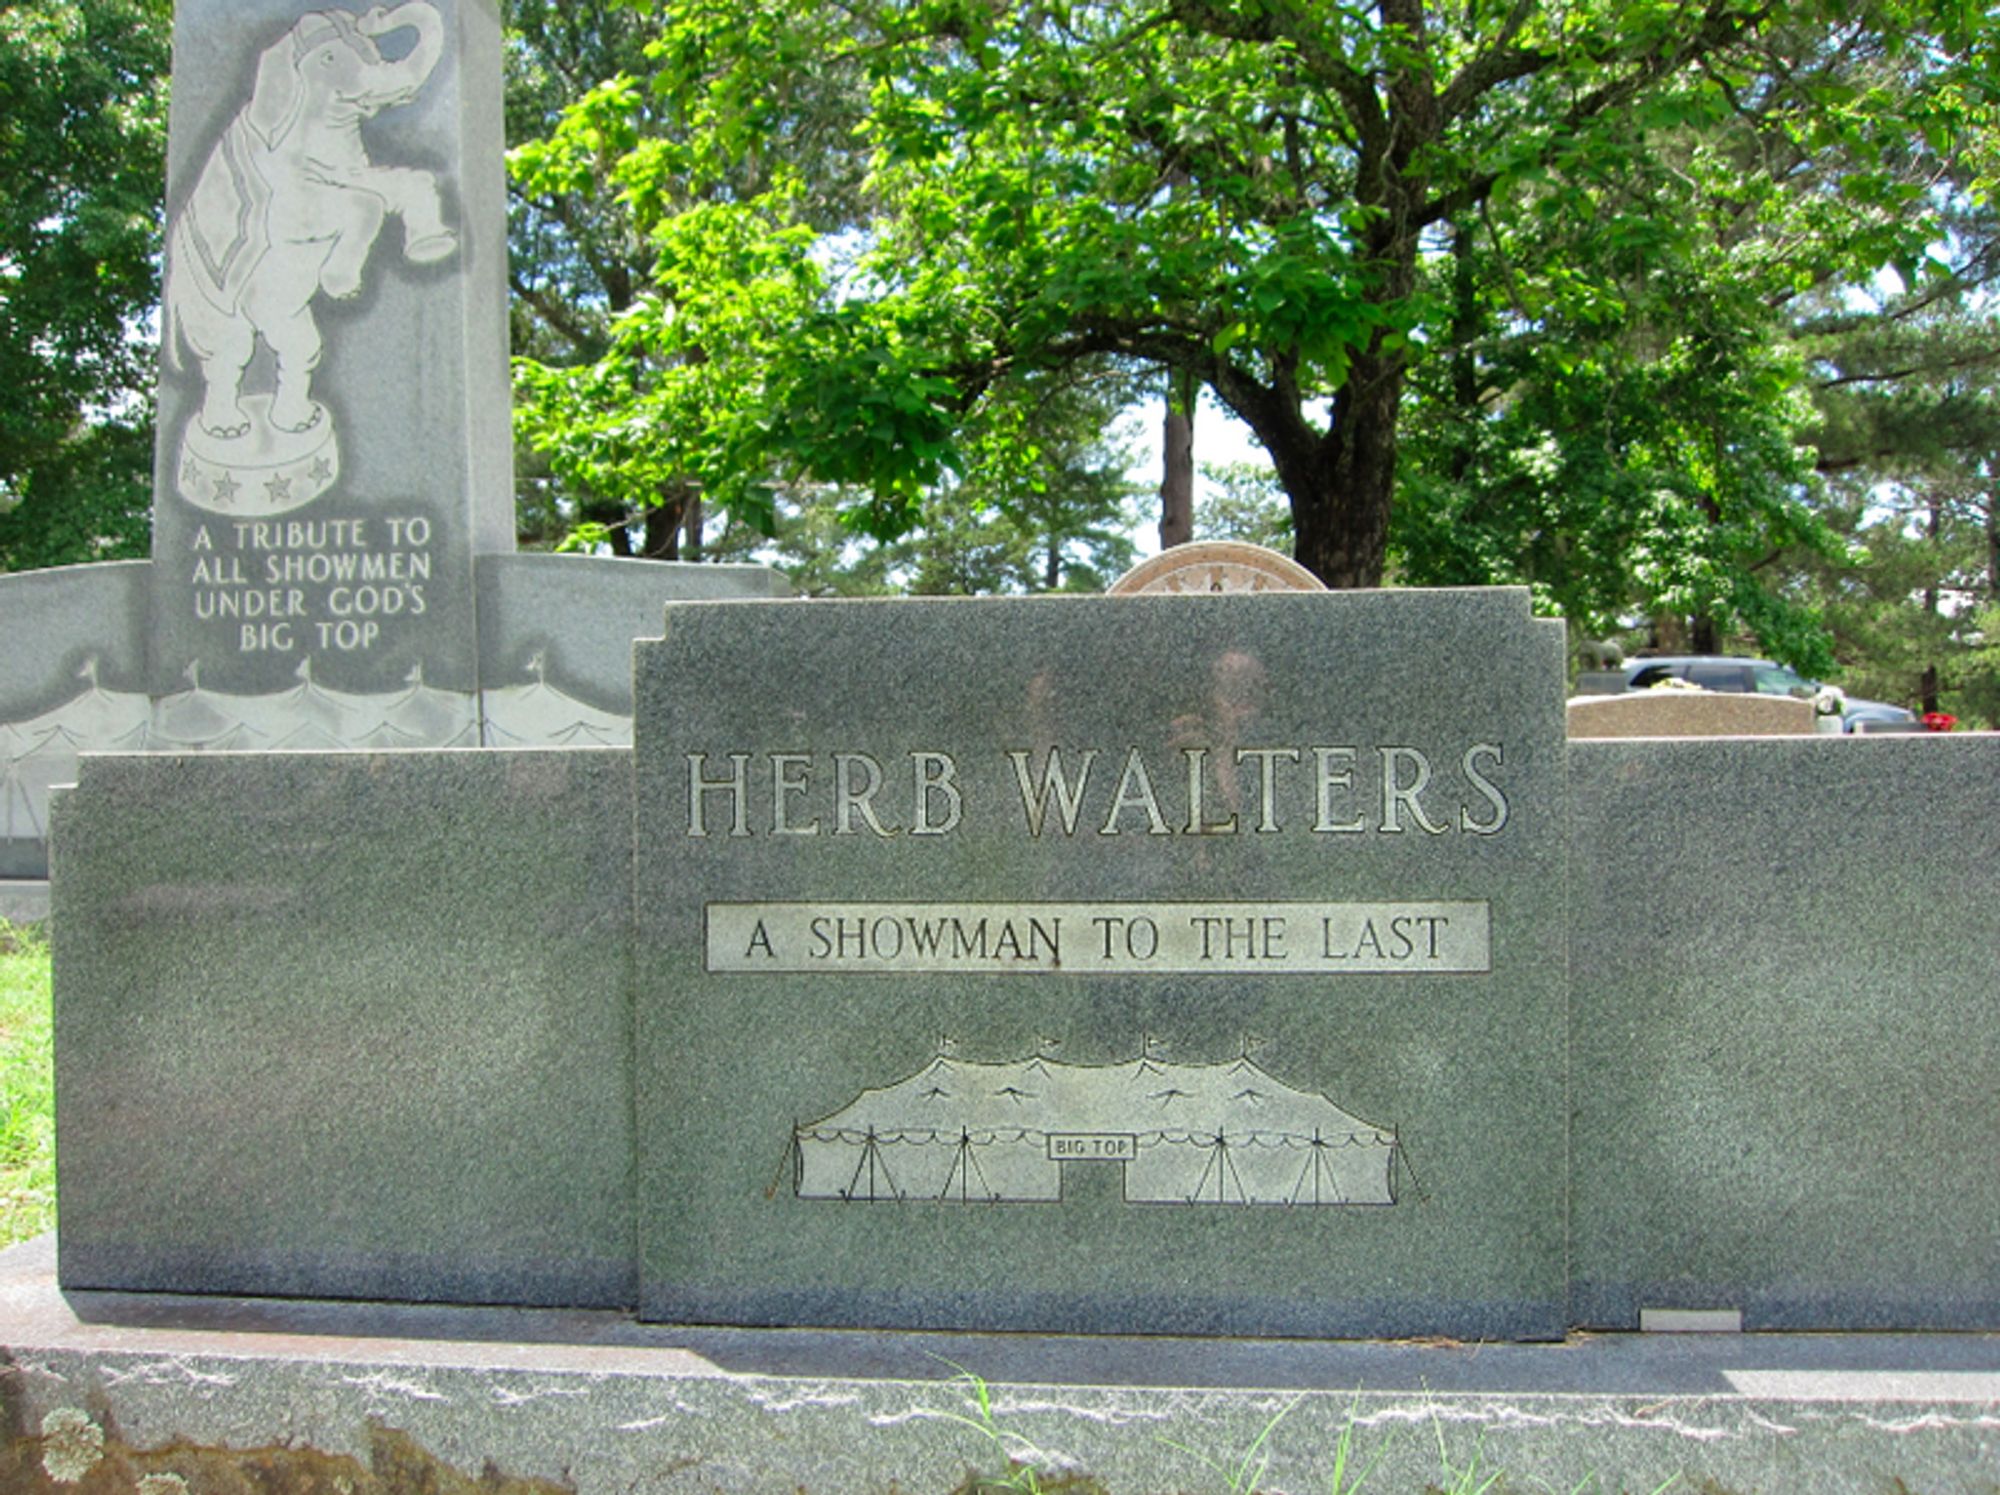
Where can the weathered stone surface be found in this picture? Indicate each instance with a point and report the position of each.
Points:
(72, 674)
(346, 1025)
(1689, 713)
(556, 632)
(242, 1394)
(1786, 1027)
(1347, 1122)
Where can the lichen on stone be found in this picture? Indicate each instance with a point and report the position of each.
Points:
(71, 1445)
(162, 1484)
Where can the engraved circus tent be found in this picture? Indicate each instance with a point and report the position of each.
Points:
(39, 752)
(960, 1131)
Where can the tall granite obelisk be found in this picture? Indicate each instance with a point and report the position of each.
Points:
(333, 445)
(333, 537)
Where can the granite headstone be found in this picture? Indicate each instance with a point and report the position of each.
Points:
(1151, 963)
(333, 525)
(71, 636)
(347, 1025)
(1689, 713)
(1786, 1031)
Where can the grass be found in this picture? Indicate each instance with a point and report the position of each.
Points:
(1029, 1470)
(27, 1088)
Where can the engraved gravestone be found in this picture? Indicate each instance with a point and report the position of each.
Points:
(1162, 963)
(333, 404)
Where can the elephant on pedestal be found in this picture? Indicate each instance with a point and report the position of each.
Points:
(288, 205)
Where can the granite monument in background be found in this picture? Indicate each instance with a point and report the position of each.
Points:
(333, 520)
(333, 432)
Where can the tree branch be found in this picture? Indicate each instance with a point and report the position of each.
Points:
(557, 315)
(1281, 20)
(1984, 358)
(1719, 26)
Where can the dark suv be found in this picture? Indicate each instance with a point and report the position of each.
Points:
(1757, 677)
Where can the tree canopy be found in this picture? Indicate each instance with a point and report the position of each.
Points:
(1668, 310)
(82, 163)
(1577, 228)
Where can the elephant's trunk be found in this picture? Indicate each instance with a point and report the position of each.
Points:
(391, 83)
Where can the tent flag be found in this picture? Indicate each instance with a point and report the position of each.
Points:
(960, 1131)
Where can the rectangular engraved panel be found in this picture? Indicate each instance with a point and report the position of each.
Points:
(1272, 885)
(1235, 938)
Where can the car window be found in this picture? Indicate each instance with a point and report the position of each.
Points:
(1719, 676)
(1647, 678)
(1777, 680)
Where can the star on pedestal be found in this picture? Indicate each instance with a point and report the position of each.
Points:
(320, 470)
(280, 490)
(226, 489)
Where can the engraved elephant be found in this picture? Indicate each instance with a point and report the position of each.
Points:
(288, 205)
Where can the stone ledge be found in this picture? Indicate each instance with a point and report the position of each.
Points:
(24, 901)
(537, 1401)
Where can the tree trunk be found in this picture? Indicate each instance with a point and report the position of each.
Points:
(692, 524)
(1466, 320)
(1177, 475)
(663, 530)
(1177, 440)
(1993, 549)
(614, 518)
(1704, 634)
(1928, 687)
(1340, 509)
(1343, 485)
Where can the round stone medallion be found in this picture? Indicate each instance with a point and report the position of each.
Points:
(1216, 566)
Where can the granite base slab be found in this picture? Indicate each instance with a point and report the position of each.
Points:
(174, 1393)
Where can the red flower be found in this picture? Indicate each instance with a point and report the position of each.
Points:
(1939, 721)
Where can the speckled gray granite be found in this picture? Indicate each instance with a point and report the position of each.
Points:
(1331, 1100)
(348, 543)
(349, 1025)
(1786, 997)
(110, 1391)
(65, 630)
(573, 617)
